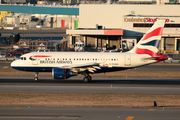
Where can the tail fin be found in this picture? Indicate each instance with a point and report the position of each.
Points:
(149, 43)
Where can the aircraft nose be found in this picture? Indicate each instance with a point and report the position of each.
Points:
(13, 64)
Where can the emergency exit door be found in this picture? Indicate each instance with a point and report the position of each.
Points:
(127, 60)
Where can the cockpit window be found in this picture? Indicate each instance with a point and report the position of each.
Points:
(22, 58)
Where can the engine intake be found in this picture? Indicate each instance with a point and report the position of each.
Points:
(58, 73)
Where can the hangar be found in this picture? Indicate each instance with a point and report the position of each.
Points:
(122, 25)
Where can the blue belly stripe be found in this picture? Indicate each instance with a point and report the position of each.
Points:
(49, 69)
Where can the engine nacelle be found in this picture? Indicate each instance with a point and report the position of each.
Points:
(58, 73)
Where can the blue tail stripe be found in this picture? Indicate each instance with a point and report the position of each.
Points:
(153, 43)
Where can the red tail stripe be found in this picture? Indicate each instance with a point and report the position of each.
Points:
(156, 32)
(151, 53)
(144, 51)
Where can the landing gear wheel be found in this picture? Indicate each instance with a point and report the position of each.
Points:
(36, 79)
(36, 76)
(85, 79)
(89, 78)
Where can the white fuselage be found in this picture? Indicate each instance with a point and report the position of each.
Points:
(48, 60)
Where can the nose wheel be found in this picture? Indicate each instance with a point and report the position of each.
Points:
(36, 76)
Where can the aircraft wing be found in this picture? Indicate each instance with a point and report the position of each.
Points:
(91, 67)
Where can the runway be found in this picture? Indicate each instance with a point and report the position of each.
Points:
(97, 86)
(83, 113)
(75, 85)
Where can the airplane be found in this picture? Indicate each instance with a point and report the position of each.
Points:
(64, 65)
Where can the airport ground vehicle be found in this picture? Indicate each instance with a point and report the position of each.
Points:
(67, 64)
(19, 51)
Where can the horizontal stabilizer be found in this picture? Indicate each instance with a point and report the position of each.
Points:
(151, 58)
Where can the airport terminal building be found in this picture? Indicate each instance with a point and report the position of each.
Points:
(123, 25)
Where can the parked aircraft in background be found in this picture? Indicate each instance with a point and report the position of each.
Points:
(67, 64)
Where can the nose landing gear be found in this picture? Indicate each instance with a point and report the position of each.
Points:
(36, 76)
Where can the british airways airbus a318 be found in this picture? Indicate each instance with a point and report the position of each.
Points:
(64, 65)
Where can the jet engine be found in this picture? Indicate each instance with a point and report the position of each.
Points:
(58, 73)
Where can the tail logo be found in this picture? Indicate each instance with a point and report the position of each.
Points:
(150, 42)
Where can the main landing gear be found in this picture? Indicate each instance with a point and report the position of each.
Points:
(36, 76)
(87, 78)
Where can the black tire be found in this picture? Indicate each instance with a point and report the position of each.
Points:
(36, 79)
(90, 78)
(85, 79)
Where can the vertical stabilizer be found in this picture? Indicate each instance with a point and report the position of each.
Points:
(149, 43)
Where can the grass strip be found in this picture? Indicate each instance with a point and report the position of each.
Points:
(88, 100)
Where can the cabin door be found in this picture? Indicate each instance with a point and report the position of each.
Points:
(127, 60)
(34, 59)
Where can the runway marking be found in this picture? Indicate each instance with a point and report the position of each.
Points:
(151, 110)
(17, 108)
(5, 67)
(129, 117)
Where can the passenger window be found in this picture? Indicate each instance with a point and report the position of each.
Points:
(24, 58)
(111, 59)
(66, 59)
(53, 58)
(82, 59)
(79, 58)
(21, 58)
(69, 58)
(63, 58)
(87, 59)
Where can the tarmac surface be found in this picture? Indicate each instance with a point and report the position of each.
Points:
(75, 85)
(83, 113)
(36, 33)
(96, 86)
